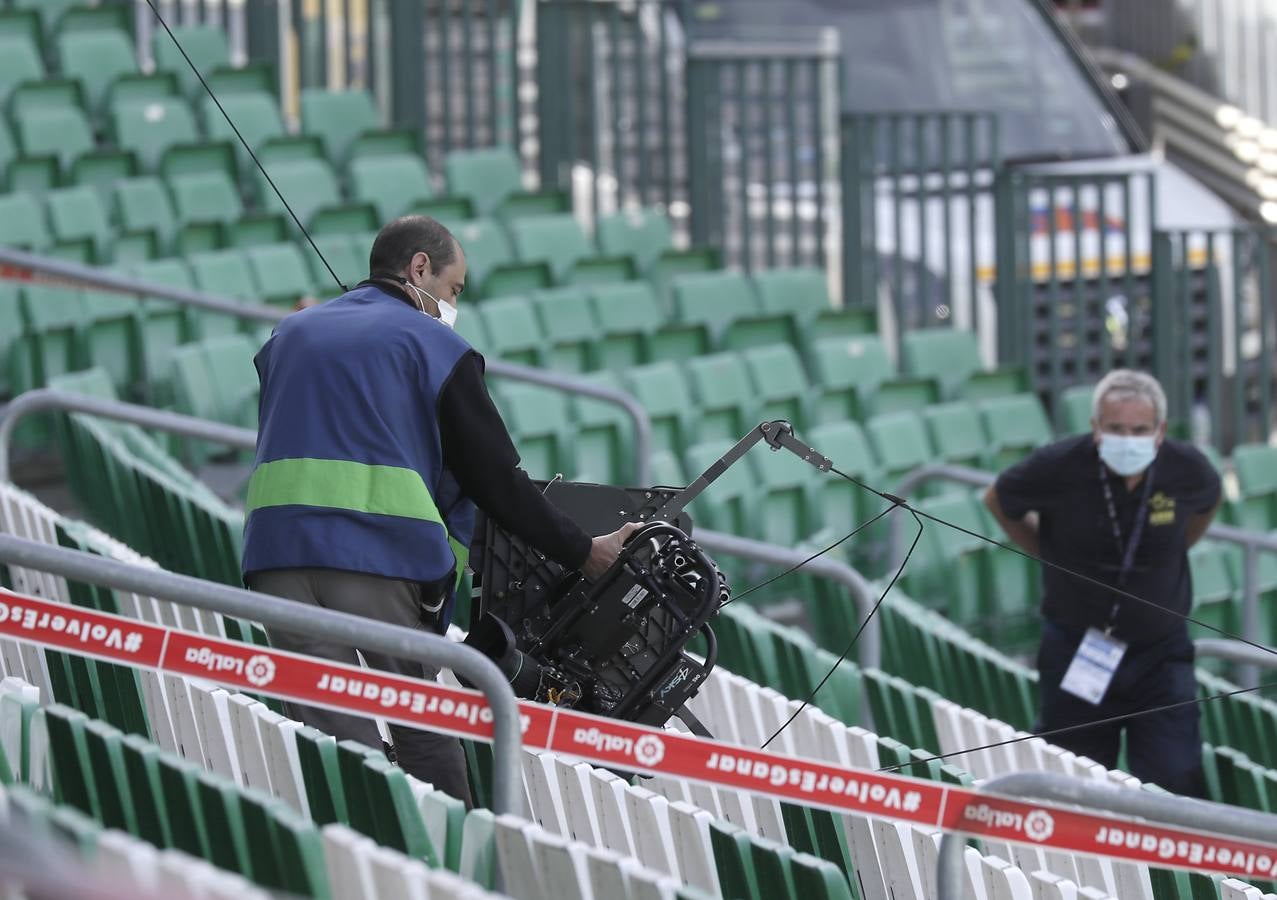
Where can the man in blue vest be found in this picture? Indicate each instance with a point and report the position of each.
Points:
(377, 438)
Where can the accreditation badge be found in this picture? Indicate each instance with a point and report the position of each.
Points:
(1097, 658)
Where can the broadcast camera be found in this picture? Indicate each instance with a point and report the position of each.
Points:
(615, 646)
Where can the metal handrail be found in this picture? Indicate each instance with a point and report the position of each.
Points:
(1251, 542)
(19, 263)
(1168, 809)
(288, 615)
(862, 591)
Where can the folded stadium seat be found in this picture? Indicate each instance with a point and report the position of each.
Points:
(206, 198)
(540, 425)
(1256, 505)
(725, 302)
(730, 504)
(164, 323)
(493, 181)
(151, 127)
(558, 241)
(948, 570)
(628, 316)
(571, 333)
(280, 272)
(720, 382)
(668, 471)
(207, 48)
(142, 207)
(50, 11)
(20, 58)
(308, 185)
(96, 57)
(10, 330)
(850, 371)
(22, 222)
(227, 274)
(647, 236)
(844, 505)
(34, 174)
(1016, 426)
(490, 262)
(113, 336)
(80, 224)
(781, 386)
(512, 330)
(338, 117)
(52, 342)
(103, 169)
(8, 147)
(803, 294)
(391, 183)
(957, 433)
(603, 436)
(62, 132)
(471, 326)
(255, 117)
(788, 501)
(215, 379)
(339, 251)
(901, 444)
(1215, 596)
(1073, 413)
(141, 88)
(952, 357)
(662, 389)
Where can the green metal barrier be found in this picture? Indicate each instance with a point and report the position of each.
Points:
(1215, 329)
(917, 192)
(609, 91)
(1073, 289)
(762, 122)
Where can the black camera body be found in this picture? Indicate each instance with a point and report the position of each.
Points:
(614, 646)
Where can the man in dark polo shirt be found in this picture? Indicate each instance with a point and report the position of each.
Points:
(1121, 505)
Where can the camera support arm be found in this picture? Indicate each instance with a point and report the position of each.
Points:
(778, 434)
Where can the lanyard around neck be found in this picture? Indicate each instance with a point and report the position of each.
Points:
(1126, 550)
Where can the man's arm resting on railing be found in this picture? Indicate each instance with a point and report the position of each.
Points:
(1023, 532)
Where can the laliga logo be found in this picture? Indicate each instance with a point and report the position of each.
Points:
(649, 750)
(260, 670)
(1038, 825)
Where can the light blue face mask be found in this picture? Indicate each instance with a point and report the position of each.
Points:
(1128, 455)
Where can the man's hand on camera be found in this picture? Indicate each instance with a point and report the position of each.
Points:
(605, 550)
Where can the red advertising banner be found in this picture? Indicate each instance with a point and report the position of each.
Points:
(624, 745)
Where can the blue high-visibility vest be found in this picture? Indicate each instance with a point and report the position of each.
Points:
(349, 472)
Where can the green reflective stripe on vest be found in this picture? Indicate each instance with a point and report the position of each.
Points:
(462, 553)
(341, 484)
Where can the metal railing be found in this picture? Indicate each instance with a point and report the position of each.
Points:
(288, 615)
(19, 265)
(1168, 809)
(1251, 542)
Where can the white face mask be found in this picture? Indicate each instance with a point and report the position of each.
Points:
(1128, 455)
(447, 312)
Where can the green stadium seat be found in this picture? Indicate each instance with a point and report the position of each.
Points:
(8, 149)
(487, 247)
(1214, 593)
(646, 236)
(224, 273)
(1256, 504)
(949, 572)
(1073, 412)
(205, 45)
(338, 249)
(60, 131)
(780, 384)
(803, 294)
(308, 185)
(142, 88)
(849, 370)
(567, 321)
(280, 272)
(725, 397)
(252, 78)
(103, 169)
(399, 823)
(392, 183)
(215, 379)
(900, 442)
(77, 216)
(957, 433)
(539, 423)
(50, 11)
(1016, 426)
(53, 338)
(93, 18)
(844, 505)
(151, 127)
(788, 500)
(34, 174)
(48, 93)
(628, 316)
(291, 148)
(20, 61)
(558, 241)
(113, 336)
(493, 182)
(513, 332)
(731, 504)
(472, 327)
(667, 470)
(338, 117)
(22, 222)
(725, 302)
(603, 437)
(662, 390)
(343, 219)
(255, 116)
(142, 206)
(97, 58)
(164, 325)
(734, 861)
(952, 358)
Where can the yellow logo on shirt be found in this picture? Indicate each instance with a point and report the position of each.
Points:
(1161, 510)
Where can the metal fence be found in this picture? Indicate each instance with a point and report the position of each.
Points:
(917, 213)
(762, 129)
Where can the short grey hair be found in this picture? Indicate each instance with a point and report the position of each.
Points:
(1129, 384)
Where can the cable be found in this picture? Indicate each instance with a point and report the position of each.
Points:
(846, 537)
(811, 696)
(256, 161)
(1082, 725)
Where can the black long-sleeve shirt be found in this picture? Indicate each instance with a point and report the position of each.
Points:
(478, 450)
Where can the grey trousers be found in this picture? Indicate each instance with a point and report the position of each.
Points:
(434, 758)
